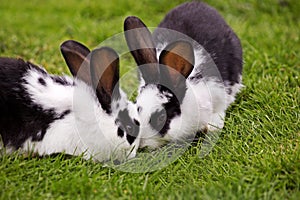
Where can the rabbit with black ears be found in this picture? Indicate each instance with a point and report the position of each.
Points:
(87, 115)
(190, 72)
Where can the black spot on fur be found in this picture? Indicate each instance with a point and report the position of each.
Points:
(42, 81)
(136, 122)
(129, 126)
(61, 80)
(120, 132)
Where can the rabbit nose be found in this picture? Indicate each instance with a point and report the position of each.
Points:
(117, 162)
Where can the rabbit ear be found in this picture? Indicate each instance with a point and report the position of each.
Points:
(76, 57)
(105, 76)
(142, 48)
(177, 62)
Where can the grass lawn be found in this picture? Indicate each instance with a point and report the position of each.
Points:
(258, 153)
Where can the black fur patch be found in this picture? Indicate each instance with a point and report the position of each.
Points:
(171, 110)
(120, 132)
(136, 122)
(130, 138)
(127, 125)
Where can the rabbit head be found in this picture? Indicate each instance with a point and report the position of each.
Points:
(100, 70)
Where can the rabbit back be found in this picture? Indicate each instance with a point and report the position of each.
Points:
(204, 25)
(24, 114)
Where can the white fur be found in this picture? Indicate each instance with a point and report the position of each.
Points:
(87, 130)
(57, 95)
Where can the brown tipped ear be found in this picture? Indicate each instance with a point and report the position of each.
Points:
(142, 48)
(179, 57)
(176, 64)
(76, 57)
(105, 76)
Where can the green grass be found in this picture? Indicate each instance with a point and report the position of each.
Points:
(257, 155)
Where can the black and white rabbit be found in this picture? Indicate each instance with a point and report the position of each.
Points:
(191, 71)
(87, 115)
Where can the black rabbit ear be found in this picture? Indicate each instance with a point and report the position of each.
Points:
(142, 48)
(76, 57)
(105, 76)
(177, 63)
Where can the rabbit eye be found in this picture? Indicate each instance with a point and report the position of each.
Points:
(129, 129)
(158, 119)
(161, 118)
(129, 125)
(139, 109)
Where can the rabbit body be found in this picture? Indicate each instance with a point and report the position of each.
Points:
(46, 114)
(31, 101)
(209, 63)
